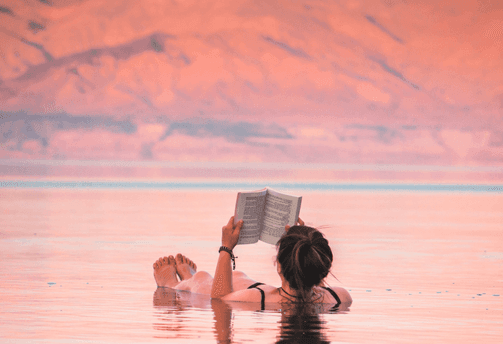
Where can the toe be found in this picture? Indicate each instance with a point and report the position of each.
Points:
(179, 258)
(171, 260)
(159, 261)
(155, 265)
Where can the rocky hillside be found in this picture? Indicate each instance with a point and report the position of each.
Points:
(358, 81)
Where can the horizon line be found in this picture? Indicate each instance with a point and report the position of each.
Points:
(251, 165)
(240, 185)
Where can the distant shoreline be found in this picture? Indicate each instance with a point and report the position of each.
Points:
(314, 175)
(245, 185)
(250, 165)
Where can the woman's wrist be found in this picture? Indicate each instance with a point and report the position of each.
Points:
(228, 251)
(229, 246)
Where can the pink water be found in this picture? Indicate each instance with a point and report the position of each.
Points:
(76, 266)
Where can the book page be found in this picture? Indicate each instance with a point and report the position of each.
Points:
(280, 210)
(250, 209)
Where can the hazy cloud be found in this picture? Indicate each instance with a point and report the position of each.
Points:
(383, 134)
(239, 131)
(20, 126)
(409, 127)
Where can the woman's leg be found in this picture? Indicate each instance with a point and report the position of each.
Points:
(166, 269)
(196, 282)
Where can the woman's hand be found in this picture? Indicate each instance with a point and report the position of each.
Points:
(230, 233)
(299, 222)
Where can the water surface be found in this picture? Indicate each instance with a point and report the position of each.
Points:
(77, 266)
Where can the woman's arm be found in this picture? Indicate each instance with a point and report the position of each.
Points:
(222, 282)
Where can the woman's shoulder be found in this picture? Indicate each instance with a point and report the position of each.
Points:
(336, 295)
(268, 293)
(251, 294)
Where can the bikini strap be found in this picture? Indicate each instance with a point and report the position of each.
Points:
(262, 300)
(336, 297)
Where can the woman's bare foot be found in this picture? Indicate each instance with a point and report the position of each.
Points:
(185, 267)
(165, 272)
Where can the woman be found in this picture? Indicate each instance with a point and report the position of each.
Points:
(303, 261)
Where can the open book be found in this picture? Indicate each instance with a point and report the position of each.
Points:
(265, 214)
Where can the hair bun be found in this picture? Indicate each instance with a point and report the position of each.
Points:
(305, 257)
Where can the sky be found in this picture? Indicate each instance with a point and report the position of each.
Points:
(295, 83)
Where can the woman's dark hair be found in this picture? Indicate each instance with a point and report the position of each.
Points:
(305, 258)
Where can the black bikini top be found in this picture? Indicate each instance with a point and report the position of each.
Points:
(262, 300)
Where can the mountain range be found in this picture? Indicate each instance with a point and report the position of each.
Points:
(357, 81)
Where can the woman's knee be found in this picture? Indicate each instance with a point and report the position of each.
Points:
(201, 276)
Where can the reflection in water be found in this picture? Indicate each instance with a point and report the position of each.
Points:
(301, 325)
(172, 312)
(297, 324)
(223, 324)
(172, 306)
